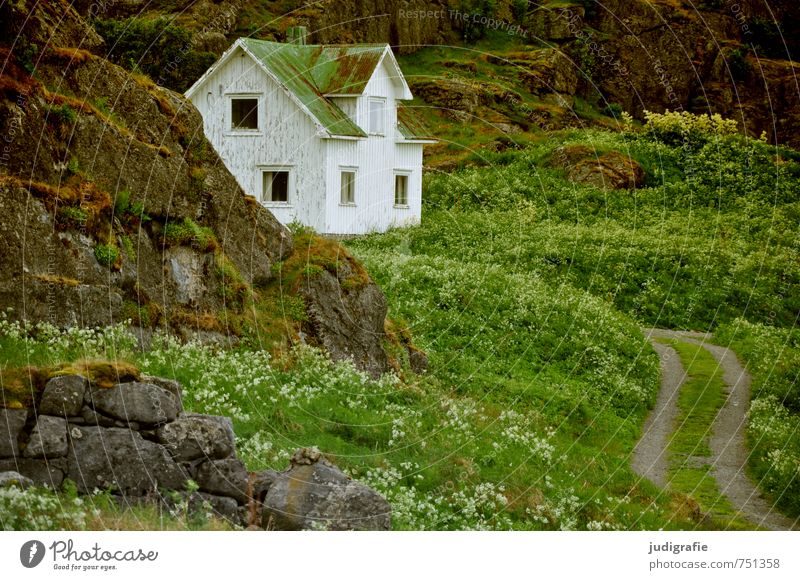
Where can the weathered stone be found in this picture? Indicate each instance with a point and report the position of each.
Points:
(13, 478)
(121, 459)
(227, 477)
(48, 439)
(92, 417)
(44, 472)
(349, 324)
(313, 493)
(170, 385)
(192, 436)
(144, 403)
(63, 396)
(12, 422)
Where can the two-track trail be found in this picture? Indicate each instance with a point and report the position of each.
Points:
(651, 458)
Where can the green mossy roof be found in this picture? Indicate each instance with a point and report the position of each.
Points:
(313, 72)
(410, 124)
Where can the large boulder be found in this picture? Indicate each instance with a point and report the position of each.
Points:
(11, 423)
(48, 439)
(193, 436)
(608, 171)
(143, 403)
(63, 396)
(612, 170)
(315, 494)
(122, 460)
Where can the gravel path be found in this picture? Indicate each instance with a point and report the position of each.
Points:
(728, 449)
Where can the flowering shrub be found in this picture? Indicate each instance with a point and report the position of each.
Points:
(41, 509)
(673, 127)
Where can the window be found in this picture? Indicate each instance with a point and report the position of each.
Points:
(275, 187)
(348, 189)
(377, 108)
(244, 114)
(400, 189)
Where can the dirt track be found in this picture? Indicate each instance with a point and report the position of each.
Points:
(728, 449)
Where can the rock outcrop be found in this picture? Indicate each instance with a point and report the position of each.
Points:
(142, 456)
(611, 170)
(114, 206)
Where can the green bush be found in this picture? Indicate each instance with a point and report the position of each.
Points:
(188, 233)
(155, 47)
(107, 255)
(63, 114)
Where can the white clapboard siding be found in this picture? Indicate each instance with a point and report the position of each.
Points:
(287, 138)
(376, 159)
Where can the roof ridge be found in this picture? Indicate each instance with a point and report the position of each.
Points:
(339, 45)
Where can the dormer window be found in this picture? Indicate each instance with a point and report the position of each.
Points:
(377, 116)
(244, 113)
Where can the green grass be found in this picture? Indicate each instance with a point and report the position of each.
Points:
(700, 399)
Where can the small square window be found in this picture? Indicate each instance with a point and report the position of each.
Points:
(401, 189)
(275, 187)
(377, 108)
(244, 114)
(348, 188)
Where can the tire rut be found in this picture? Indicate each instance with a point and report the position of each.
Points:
(729, 451)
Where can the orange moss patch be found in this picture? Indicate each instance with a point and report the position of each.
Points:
(74, 55)
(75, 192)
(103, 374)
(21, 387)
(59, 280)
(205, 321)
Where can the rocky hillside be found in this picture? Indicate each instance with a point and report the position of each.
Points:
(113, 206)
(508, 67)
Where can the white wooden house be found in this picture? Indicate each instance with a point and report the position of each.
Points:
(319, 134)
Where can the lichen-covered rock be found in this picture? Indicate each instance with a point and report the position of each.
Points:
(169, 385)
(192, 436)
(48, 438)
(11, 423)
(63, 396)
(12, 478)
(226, 477)
(144, 403)
(122, 460)
(314, 494)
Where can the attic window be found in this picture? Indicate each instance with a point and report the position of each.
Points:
(377, 108)
(275, 187)
(244, 114)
